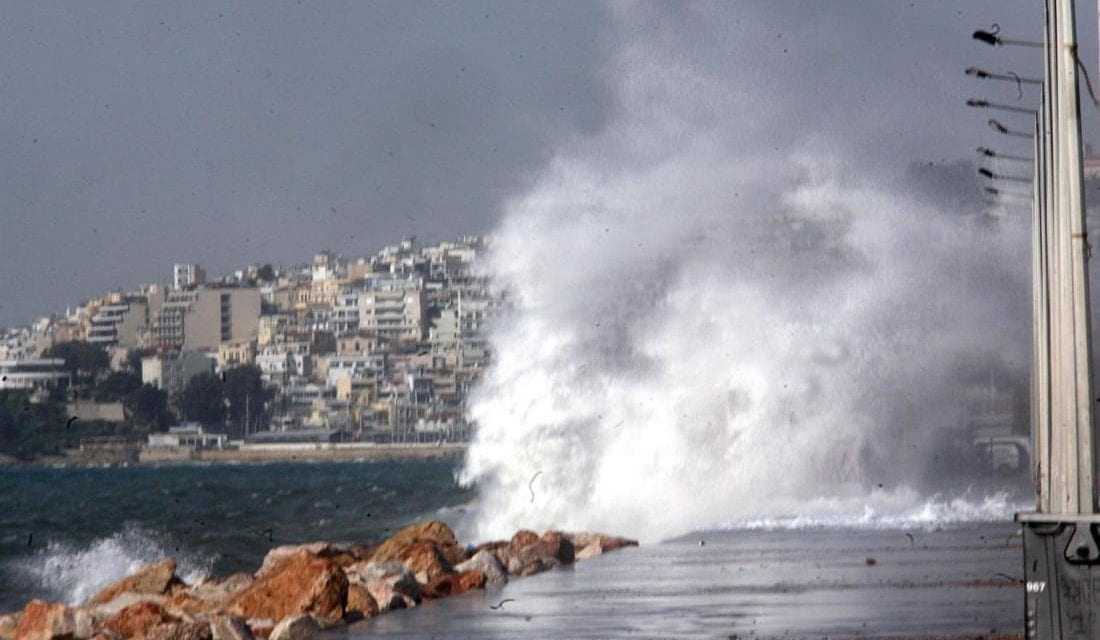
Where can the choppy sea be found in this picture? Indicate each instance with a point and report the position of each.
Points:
(66, 532)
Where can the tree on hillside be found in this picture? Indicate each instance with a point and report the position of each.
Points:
(203, 400)
(266, 273)
(84, 360)
(148, 408)
(133, 359)
(243, 388)
(116, 386)
(29, 429)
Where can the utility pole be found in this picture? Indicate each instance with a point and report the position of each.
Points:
(1061, 553)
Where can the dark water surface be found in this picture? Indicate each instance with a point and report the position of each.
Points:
(65, 531)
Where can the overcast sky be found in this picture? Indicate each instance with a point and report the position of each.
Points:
(135, 136)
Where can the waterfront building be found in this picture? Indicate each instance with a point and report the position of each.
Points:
(36, 375)
(188, 435)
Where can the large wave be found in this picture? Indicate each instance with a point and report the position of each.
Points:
(704, 329)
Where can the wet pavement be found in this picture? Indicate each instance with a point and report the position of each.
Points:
(955, 582)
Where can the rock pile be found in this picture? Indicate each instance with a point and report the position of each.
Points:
(302, 589)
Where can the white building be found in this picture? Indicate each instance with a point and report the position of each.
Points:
(34, 374)
(187, 274)
(189, 435)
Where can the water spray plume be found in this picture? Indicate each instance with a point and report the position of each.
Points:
(704, 332)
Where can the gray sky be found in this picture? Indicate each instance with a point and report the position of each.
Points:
(134, 136)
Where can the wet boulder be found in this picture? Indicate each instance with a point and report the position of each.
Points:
(217, 592)
(424, 560)
(437, 533)
(42, 620)
(298, 627)
(361, 604)
(453, 584)
(487, 563)
(342, 554)
(137, 620)
(528, 553)
(260, 627)
(152, 579)
(557, 545)
(229, 628)
(390, 584)
(180, 630)
(8, 624)
(301, 583)
(589, 545)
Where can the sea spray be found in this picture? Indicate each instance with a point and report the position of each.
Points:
(704, 329)
(72, 574)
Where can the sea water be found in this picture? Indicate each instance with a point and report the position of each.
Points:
(66, 532)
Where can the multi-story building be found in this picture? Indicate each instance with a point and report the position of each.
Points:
(393, 309)
(118, 323)
(185, 275)
(236, 354)
(202, 319)
(34, 374)
(172, 371)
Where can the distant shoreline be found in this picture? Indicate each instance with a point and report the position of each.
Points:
(305, 453)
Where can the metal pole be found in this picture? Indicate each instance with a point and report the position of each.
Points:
(1061, 550)
(1040, 378)
(1071, 435)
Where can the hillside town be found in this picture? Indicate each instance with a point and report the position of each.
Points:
(383, 348)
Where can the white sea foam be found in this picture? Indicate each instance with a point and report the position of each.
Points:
(704, 330)
(72, 574)
(901, 510)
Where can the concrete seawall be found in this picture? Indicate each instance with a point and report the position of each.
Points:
(312, 452)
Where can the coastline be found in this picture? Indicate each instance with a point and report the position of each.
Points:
(364, 452)
(300, 590)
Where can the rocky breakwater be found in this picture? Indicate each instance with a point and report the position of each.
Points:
(301, 589)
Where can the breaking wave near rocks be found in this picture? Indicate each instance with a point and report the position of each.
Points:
(73, 573)
(705, 328)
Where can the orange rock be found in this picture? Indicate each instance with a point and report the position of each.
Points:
(485, 562)
(469, 580)
(218, 591)
(391, 584)
(302, 583)
(260, 627)
(137, 620)
(41, 620)
(229, 628)
(452, 584)
(299, 627)
(361, 603)
(424, 560)
(180, 630)
(152, 579)
(8, 624)
(523, 538)
(435, 532)
(183, 603)
(588, 545)
(341, 554)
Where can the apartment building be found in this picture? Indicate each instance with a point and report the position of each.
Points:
(201, 319)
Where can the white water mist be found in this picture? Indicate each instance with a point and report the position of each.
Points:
(706, 330)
